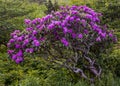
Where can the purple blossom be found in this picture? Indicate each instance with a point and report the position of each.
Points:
(103, 35)
(51, 26)
(36, 43)
(33, 38)
(74, 12)
(95, 27)
(42, 39)
(78, 20)
(26, 36)
(86, 31)
(98, 39)
(20, 53)
(74, 35)
(99, 31)
(12, 40)
(14, 57)
(16, 32)
(62, 7)
(83, 22)
(47, 17)
(56, 22)
(26, 41)
(17, 46)
(57, 13)
(95, 19)
(65, 42)
(27, 21)
(67, 18)
(29, 50)
(64, 23)
(110, 35)
(72, 19)
(65, 29)
(15, 36)
(38, 20)
(73, 8)
(29, 29)
(40, 27)
(80, 36)
(34, 32)
(19, 60)
(92, 12)
(34, 21)
(10, 52)
(20, 38)
(89, 16)
(70, 31)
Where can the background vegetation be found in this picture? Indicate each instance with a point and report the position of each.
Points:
(13, 13)
(36, 71)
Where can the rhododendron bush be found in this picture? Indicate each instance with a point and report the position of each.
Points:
(68, 37)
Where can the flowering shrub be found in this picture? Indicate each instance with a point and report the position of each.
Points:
(67, 37)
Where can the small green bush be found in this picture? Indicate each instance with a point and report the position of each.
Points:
(30, 81)
(111, 12)
(3, 48)
(108, 79)
(110, 62)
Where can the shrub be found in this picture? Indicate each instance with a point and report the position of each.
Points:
(3, 48)
(72, 37)
(111, 11)
(113, 61)
(30, 81)
(108, 79)
(13, 12)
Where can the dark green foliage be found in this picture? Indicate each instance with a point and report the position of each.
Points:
(114, 62)
(56, 5)
(108, 79)
(10, 10)
(12, 15)
(51, 7)
(35, 72)
(3, 48)
(111, 12)
(38, 1)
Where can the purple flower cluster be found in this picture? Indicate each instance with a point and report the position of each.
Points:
(77, 23)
